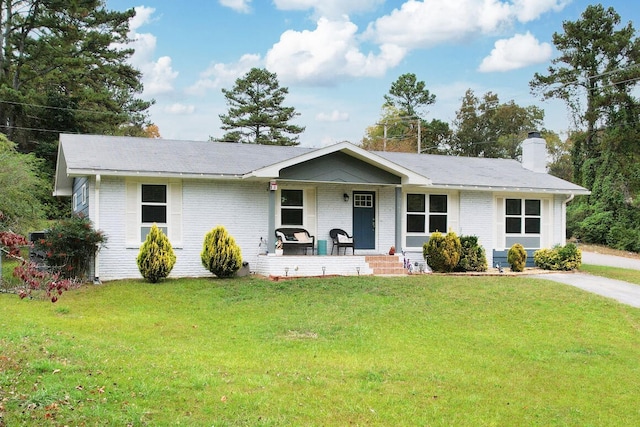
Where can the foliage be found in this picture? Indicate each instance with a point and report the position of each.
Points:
(20, 186)
(407, 94)
(395, 132)
(597, 58)
(486, 128)
(32, 277)
(517, 257)
(256, 114)
(156, 257)
(69, 246)
(442, 252)
(563, 258)
(220, 253)
(472, 255)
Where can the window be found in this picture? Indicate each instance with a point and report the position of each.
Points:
(522, 216)
(291, 207)
(421, 217)
(154, 208)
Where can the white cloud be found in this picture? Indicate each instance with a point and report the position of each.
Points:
(329, 8)
(517, 52)
(242, 6)
(422, 24)
(157, 75)
(179, 109)
(334, 116)
(221, 75)
(528, 10)
(330, 50)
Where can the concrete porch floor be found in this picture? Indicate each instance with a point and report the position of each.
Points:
(328, 265)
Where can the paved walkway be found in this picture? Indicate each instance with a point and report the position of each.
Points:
(624, 292)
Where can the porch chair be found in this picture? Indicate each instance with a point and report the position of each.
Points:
(341, 239)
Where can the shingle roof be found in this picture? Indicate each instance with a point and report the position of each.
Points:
(480, 172)
(96, 154)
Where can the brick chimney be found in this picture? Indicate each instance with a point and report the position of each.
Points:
(534, 153)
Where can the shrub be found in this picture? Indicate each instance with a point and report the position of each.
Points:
(220, 253)
(70, 245)
(472, 255)
(156, 257)
(517, 257)
(442, 252)
(564, 258)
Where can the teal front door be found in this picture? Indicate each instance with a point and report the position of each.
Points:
(364, 219)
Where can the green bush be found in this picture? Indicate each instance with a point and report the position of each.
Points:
(220, 253)
(156, 257)
(517, 257)
(70, 245)
(562, 258)
(442, 252)
(472, 255)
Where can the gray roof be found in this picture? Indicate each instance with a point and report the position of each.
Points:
(80, 155)
(479, 172)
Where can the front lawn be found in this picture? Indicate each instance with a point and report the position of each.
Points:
(419, 350)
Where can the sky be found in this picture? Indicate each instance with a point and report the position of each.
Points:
(338, 58)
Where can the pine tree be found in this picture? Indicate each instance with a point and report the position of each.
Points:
(256, 114)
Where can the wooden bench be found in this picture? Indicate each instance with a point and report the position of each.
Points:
(297, 238)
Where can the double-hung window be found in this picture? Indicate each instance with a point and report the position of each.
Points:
(522, 216)
(292, 207)
(426, 213)
(154, 208)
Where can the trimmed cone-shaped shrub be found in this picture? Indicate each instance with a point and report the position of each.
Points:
(517, 257)
(156, 257)
(442, 252)
(220, 253)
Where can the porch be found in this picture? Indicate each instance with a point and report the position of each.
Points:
(328, 265)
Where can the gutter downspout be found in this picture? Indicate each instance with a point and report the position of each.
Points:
(564, 218)
(96, 223)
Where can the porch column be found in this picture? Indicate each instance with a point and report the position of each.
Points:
(399, 245)
(272, 219)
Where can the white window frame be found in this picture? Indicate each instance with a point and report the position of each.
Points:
(426, 214)
(523, 216)
(164, 226)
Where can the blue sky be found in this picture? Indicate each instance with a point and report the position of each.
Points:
(338, 58)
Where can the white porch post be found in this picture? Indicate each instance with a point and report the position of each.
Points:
(398, 239)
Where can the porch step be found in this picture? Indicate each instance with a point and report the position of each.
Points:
(385, 264)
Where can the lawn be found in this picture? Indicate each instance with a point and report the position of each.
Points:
(418, 350)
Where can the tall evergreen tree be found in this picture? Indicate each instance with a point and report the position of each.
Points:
(407, 94)
(256, 114)
(594, 75)
(63, 69)
(484, 127)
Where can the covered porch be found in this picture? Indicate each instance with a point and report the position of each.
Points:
(328, 265)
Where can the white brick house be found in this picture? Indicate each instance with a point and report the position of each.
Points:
(384, 199)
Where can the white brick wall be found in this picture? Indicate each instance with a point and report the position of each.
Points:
(477, 212)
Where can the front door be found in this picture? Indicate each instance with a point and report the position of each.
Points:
(364, 219)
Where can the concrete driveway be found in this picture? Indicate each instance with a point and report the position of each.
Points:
(624, 292)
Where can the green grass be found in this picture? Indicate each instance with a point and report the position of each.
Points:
(627, 275)
(420, 350)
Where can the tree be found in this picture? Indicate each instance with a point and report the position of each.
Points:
(256, 114)
(220, 253)
(594, 74)
(20, 188)
(63, 68)
(486, 128)
(401, 127)
(407, 94)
